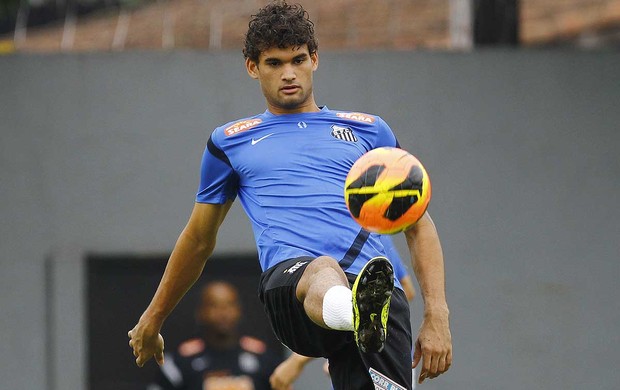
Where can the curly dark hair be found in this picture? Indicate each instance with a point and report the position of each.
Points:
(279, 24)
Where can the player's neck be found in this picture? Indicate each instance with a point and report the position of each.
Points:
(309, 106)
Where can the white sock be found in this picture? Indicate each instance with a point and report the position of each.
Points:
(338, 308)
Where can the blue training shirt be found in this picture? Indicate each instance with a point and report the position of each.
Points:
(289, 173)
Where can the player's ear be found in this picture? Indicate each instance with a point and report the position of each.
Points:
(252, 68)
(314, 57)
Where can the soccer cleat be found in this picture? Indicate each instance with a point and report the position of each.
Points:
(372, 292)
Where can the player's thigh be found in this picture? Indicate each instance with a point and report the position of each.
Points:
(287, 316)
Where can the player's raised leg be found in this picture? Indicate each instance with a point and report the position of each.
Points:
(330, 303)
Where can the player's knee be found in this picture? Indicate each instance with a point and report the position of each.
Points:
(324, 262)
(323, 270)
(327, 270)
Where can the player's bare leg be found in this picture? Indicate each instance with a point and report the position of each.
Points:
(319, 277)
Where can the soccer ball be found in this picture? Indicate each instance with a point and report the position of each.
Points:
(387, 190)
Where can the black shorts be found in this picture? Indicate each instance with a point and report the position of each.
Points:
(349, 368)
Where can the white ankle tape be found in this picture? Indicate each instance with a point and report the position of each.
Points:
(338, 308)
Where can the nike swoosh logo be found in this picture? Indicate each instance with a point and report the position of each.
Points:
(255, 141)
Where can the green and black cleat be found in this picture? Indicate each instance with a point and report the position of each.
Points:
(372, 292)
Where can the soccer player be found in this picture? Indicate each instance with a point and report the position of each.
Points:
(219, 357)
(326, 286)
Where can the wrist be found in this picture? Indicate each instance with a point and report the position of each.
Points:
(152, 320)
(301, 361)
(436, 311)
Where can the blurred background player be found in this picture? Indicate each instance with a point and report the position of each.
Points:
(290, 369)
(219, 358)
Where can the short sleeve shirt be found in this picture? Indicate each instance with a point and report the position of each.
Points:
(289, 172)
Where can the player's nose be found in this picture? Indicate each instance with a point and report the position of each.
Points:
(288, 73)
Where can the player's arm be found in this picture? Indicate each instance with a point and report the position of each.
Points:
(194, 246)
(434, 343)
(288, 371)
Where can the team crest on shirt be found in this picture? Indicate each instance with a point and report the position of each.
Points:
(343, 133)
(248, 363)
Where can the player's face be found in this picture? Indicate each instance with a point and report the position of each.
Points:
(219, 310)
(285, 76)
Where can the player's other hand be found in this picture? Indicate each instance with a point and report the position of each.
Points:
(284, 375)
(146, 344)
(433, 347)
(288, 371)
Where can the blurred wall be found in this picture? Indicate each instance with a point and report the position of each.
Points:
(101, 152)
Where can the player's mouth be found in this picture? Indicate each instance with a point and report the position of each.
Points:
(290, 89)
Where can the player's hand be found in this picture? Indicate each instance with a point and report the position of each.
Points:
(285, 374)
(433, 347)
(146, 344)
